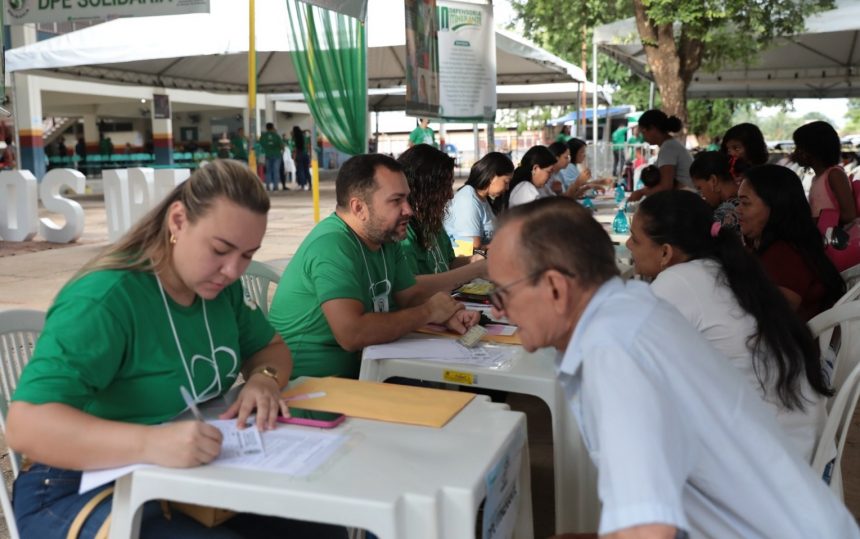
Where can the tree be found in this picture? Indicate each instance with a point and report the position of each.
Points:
(679, 36)
(711, 33)
(853, 117)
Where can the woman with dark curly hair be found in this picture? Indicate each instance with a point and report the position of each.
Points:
(427, 246)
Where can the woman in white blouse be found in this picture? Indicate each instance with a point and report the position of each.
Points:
(531, 176)
(705, 272)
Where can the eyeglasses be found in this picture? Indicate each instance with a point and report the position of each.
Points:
(496, 296)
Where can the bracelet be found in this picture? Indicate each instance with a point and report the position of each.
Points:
(270, 372)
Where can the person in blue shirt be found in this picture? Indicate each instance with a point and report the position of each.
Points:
(682, 444)
(469, 220)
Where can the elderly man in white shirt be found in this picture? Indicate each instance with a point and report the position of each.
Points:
(682, 445)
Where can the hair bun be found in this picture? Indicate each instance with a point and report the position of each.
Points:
(674, 124)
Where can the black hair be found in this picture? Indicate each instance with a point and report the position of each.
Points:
(650, 176)
(657, 118)
(430, 174)
(791, 221)
(707, 164)
(751, 138)
(298, 137)
(783, 347)
(270, 125)
(357, 177)
(558, 148)
(820, 141)
(575, 144)
(488, 167)
(536, 155)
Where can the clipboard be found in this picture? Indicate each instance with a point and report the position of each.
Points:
(382, 402)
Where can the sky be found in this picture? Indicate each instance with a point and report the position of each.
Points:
(832, 108)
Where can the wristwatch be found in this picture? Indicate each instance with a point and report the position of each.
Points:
(267, 370)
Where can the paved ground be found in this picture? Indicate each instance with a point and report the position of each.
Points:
(31, 274)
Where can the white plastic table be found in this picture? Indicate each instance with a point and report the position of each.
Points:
(391, 479)
(577, 508)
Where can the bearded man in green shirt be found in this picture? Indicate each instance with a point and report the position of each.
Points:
(349, 285)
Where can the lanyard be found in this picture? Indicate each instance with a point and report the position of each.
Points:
(179, 346)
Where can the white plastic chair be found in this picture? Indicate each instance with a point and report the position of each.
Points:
(836, 430)
(256, 281)
(851, 276)
(847, 317)
(19, 331)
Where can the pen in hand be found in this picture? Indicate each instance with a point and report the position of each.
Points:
(189, 401)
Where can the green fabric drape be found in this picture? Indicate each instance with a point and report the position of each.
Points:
(330, 58)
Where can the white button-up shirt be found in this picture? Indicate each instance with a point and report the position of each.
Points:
(676, 433)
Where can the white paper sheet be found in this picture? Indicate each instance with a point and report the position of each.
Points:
(442, 350)
(291, 450)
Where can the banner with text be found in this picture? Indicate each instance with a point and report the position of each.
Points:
(451, 63)
(27, 11)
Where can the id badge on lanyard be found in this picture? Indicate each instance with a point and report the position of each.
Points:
(379, 293)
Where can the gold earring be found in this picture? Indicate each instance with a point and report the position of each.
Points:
(172, 239)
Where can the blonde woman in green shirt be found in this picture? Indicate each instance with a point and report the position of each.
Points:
(427, 246)
(159, 310)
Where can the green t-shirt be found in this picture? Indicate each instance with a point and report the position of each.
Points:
(330, 264)
(423, 261)
(239, 146)
(108, 348)
(272, 144)
(422, 135)
(619, 137)
(563, 137)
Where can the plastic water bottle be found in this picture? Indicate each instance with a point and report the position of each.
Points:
(619, 224)
(619, 194)
(586, 202)
(639, 184)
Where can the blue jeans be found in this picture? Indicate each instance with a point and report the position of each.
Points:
(46, 500)
(273, 172)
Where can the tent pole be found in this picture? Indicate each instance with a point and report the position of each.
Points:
(17, 123)
(252, 87)
(651, 96)
(594, 102)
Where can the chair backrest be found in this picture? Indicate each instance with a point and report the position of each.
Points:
(19, 331)
(256, 281)
(835, 430)
(847, 317)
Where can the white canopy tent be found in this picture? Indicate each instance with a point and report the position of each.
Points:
(209, 51)
(508, 96)
(820, 62)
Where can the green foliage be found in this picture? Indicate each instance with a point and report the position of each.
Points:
(711, 117)
(853, 116)
(734, 30)
(778, 126)
(531, 119)
(729, 30)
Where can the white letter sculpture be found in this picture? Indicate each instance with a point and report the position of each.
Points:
(49, 193)
(20, 211)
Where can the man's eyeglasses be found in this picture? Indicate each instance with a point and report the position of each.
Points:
(497, 295)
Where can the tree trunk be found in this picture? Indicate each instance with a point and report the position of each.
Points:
(672, 64)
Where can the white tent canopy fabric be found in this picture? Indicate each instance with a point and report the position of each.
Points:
(509, 96)
(820, 62)
(208, 51)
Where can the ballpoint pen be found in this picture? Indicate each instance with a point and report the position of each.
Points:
(189, 401)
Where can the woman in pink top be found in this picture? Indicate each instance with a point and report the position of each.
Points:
(818, 147)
